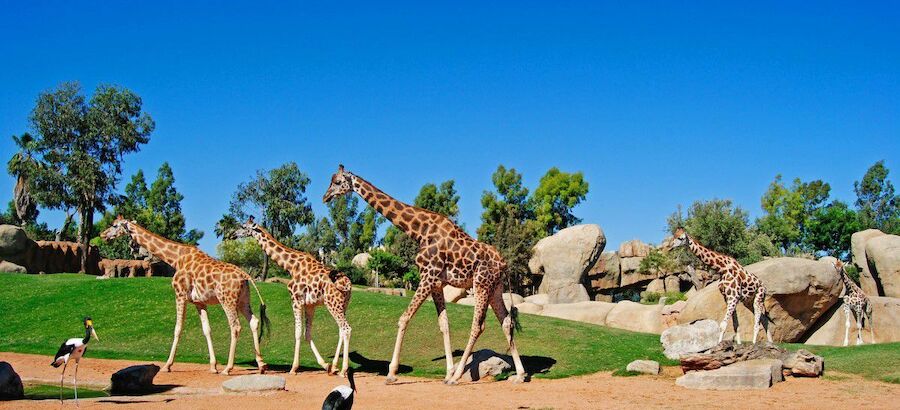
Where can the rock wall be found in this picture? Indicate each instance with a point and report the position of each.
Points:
(564, 260)
(43, 256)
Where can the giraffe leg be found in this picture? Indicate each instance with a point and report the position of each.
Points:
(871, 323)
(481, 304)
(180, 305)
(421, 294)
(859, 322)
(729, 312)
(298, 335)
(846, 324)
(207, 332)
(444, 323)
(235, 326)
(310, 312)
(758, 308)
(499, 307)
(247, 312)
(344, 331)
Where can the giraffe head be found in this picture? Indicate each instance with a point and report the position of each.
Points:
(341, 183)
(838, 266)
(249, 228)
(679, 238)
(118, 228)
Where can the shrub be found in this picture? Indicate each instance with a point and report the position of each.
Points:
(652, 298)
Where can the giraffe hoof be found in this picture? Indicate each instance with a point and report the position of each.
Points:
(451, 382)
(226, 372)
(517, 380)
(390, 380)
(328, 369)
(214, 370)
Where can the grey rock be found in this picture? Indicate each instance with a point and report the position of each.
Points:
(9, 267)
(759, 374)
(643, 366)
(858, 251)
(588, 312)
(254, 382)
(690, 338)
(883, 253)
(636, 317)
(802, 363)
(605, 274)
(564, 259)
(134, 379)
(13, 240)
(485, 363)
(10, 383)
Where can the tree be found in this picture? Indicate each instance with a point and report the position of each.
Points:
(279, 198)
(22, 165)
(79, 147)
(244, 252)
(830, 227)
(876, 202)
(164, 204)
(226, 226)
(443, 200)
(788, 210)
(723, 227)
(509, 202)
(557, 193)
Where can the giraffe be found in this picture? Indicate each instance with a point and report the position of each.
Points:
(855, 300)
(447, 255)
(736, 285)
(312, 284)
(202, 280)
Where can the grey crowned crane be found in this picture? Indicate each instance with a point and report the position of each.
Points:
(341, 398)
(73, 349)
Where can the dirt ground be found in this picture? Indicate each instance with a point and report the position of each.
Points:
(194, 388)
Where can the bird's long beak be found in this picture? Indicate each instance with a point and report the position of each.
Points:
(94, 333)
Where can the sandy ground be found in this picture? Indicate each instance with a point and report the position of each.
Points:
(194, 388)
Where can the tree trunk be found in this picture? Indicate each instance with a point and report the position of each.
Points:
(65, 227)
(86, 224)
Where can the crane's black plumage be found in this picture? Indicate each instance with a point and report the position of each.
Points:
(64, 349)
(341, 398)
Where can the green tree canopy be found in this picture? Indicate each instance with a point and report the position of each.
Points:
(878, 205)
(79, 146)
(788, 209)
(830, 227)
(442, 199)
(723, 227)
(557, 193)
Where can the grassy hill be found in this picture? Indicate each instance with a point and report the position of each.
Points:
(135, 318)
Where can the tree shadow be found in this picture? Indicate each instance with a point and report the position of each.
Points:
(379, 367)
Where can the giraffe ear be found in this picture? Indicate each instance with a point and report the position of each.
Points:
(250, 219)
(340, 167)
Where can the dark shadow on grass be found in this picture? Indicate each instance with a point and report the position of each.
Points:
(379, 367)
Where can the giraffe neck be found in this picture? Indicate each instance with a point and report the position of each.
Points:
(276, 250)
(399, 213)
(165, 249)
(703, 253)
(849, 284)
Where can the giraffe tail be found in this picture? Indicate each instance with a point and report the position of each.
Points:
(265, 325)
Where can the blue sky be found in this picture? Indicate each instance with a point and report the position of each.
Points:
(659, 104)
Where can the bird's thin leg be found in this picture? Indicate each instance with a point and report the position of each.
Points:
(61, 379)
(75, 382)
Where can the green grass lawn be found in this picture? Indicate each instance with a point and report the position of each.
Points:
(51, 392)
(135, 317)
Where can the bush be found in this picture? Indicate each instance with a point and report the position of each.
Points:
(652, 298)
(357, 275)
(853, 273)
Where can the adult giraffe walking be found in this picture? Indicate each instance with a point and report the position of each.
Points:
(447, 255)
(202, 280)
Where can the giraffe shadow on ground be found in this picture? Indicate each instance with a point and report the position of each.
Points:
(278, 368)
(379, 367)
(532, 364)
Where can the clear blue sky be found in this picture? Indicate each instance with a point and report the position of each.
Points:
(658, 104)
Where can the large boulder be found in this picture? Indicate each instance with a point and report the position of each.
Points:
(802, 363)
(361, 260)
(636, 317)
(530, 308)
(689, 338)
(885, 313)
(453, 294)
(883, 253)
(134, 379)
(564, 259)
(799, 292)
(589, 312)
(631, 272)
(634, 249)
(254, 383)
(10, 383)
(13, 241)
(759, 374)
(512, 299)
(9, 267)
(858, 251)
(485, 363)
(605, 274)
(539, 299)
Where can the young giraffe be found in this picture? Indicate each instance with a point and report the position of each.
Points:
(736, 285)
(447, 255)
(202, 280)
(312, 284)
(857, 302)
